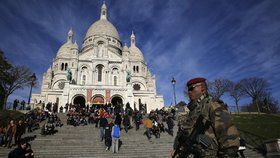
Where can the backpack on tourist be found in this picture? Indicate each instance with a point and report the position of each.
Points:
(116, 131)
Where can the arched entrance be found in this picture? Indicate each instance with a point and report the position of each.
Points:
(79, 100)
(116, 100)
(97, 100)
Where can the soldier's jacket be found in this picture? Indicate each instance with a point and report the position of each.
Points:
(222, 132)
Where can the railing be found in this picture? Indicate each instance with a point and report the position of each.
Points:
(253, 141)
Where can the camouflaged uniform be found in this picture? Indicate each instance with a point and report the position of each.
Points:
(221, 132)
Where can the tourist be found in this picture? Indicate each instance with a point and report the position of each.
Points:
(55, 108)
(138, 118)
(118, 120)
(15, 105)
(18, 152)
(149, 125)
(126, 122)
(115, 138)
(102, 124)
(20, 131)
(10, 134)
(155, 129)
(61, 109)
(170, 125)
(2, 136)
(29, 152)
(108, 136)
(22, 104)
(66, 107)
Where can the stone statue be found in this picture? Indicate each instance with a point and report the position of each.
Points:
(101, 50)
(69, 75)
(128, 76)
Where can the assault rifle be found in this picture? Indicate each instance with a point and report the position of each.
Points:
(196, 137)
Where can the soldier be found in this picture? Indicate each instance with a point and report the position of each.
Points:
(207, 131)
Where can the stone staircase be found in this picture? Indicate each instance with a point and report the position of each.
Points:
(83, 141)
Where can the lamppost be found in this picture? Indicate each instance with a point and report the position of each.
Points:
(173, 81)
(32, 79)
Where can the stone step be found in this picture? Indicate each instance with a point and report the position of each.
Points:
(84, 142)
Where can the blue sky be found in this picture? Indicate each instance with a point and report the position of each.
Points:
(231, 39)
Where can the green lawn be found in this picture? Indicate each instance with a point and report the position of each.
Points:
(256, 129)
(7, 115)
(267, 126)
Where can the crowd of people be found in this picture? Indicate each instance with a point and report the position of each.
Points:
(48, 128)
(110, 120)
(11, 133)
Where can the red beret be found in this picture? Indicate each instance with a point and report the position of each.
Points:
(195, 80)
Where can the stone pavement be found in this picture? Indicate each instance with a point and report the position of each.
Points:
(84, 142)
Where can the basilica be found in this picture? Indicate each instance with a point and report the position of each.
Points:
(102, 71)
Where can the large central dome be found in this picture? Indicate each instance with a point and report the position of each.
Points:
(102, 27)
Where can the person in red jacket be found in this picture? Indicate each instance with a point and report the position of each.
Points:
(10, 134)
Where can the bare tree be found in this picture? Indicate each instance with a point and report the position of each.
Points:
(269, 104)
(254, 87)
(218, 87)
(236, 92)
(5, 66)
(17, 77)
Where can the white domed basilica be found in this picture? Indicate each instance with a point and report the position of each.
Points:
(103, 71)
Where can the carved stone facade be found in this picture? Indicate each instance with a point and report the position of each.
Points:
(102, 71)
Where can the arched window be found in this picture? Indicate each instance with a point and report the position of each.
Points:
(137, 69)
(84, 74)
(62, 66)
(66, 66)
(133, 68)
(115, 80)
(99, 73)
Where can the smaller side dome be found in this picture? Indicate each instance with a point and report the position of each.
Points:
(136, 54)
(125, 48)
(64, 49)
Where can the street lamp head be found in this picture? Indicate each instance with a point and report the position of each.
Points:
(33, 77)
(173, 81)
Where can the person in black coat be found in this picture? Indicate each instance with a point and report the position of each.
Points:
(138, 118)
(18, 152)
(170, 125)
(126, 122)
(20, 131)
(108, 137)
(102, 124)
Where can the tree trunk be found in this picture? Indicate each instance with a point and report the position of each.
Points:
(5, 101)
(257, 103)
(236, 104)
